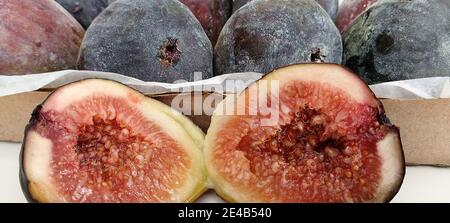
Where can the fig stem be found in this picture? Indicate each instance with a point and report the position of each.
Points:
(316, 56)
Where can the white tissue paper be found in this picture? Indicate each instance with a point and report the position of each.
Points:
(425, 88)
(10, 85)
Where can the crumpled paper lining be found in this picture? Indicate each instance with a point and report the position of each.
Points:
(425, 88)
(10, 85)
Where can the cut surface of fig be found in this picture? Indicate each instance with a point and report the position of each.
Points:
(329, 142)
(100, 141)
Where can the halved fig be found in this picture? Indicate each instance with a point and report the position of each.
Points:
(321, 136)
(100, 141)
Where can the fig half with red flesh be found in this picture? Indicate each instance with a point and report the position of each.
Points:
(101, 141)
(331, 142)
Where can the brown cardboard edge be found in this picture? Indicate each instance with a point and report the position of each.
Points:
(15, 113)
(424, 128)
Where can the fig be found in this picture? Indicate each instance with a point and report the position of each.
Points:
(331, 6)
(101, 141)
(33, 41)
(397, 40)
(159, 40)
(237, 4)
(212, 14)
(349, 10)
(304, 133)
(266, 34)
(84, 11)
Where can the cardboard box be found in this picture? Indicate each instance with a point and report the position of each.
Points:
(424, 124)
(424, 129)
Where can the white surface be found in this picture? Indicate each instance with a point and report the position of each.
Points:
(422, 184)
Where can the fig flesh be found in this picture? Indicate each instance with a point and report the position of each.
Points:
(100, 141)
(304, 133)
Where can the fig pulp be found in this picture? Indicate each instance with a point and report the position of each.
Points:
(158, 40)
(267, 34)
(37, 37)
(304, 133)
(100, 141)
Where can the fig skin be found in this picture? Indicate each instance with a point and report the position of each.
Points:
(212, 14)
(141, 39)
(397, 40)
(331, 6)
(32, 41)
(84, 11)
(237, 4)
(31, 189)
(252, 40)
(349, 10)
(394, 180)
